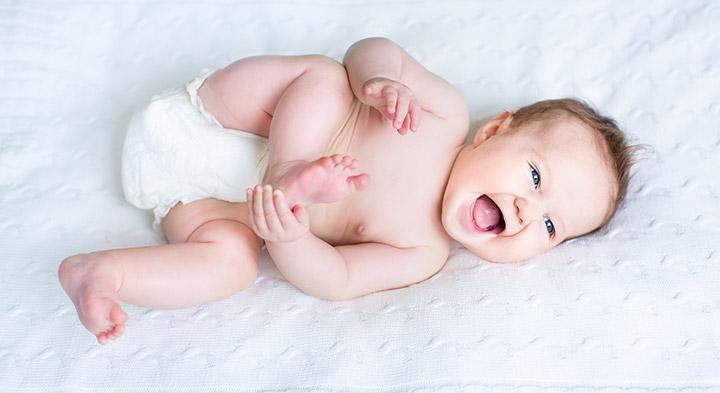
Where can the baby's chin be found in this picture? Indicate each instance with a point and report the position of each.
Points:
(497, 256)
(501, 249)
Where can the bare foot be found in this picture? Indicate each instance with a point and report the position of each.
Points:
(94, 293)
(324, 180)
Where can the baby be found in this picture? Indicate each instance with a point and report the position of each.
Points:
(355, 177)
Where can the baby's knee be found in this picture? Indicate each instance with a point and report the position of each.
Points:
(240, 248)
(326, 65)
(242, 264)
(330, 72)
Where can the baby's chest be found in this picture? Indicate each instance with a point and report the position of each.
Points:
(383, 215)
(402, 204)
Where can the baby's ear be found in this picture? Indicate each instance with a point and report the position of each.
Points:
(491, 128)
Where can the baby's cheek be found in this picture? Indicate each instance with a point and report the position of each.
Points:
(523, 246)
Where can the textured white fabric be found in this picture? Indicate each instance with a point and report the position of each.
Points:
(632, 308)
(174, 151)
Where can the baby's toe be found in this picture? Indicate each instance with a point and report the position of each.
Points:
(346, 161)
(117, 315)
(93, 317)
(360, 181)
(326, 162)
(117, 331)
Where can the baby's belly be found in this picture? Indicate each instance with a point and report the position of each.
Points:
(333, 224)
(357, 220)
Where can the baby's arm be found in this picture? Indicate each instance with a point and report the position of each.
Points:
(346, 272)
(375, 63)
(328, 272)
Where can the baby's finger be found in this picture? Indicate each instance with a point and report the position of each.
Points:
(402, 110)
(118, 330)
(415, 114)
(387, 116)
(372, 88)
(271, 218)
(287, 219)
(251, 212)
(405, 128)
(368, 89)
(258, 211)
(390, 95)
(249, 204)
(301, 215)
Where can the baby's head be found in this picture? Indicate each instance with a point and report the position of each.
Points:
(552, 171)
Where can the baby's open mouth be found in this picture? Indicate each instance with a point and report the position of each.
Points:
(487, 216)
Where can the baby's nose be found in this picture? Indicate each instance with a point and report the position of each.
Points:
(527, 209)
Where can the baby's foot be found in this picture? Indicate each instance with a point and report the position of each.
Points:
(93, 291)
(324, 180)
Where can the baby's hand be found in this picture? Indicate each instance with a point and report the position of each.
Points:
(394, 101)
(272, 219)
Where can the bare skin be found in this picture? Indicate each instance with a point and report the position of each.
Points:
(368, 223)
(376, 217)
(325, 180)
(94, 289)
(357, 222)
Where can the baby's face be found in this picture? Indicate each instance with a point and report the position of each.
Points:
(549, 179)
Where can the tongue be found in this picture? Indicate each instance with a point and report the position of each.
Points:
(486, 213)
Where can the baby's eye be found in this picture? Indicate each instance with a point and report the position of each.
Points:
(550, 227)
(535, 176)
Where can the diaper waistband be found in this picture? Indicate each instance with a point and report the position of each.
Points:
(192, 89)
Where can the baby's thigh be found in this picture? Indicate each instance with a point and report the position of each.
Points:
(186, 222)
(245, 94)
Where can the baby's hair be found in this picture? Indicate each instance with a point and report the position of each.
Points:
(620, 154)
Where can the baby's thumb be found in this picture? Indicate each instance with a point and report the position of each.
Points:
(368, 90)
(372, 86)
(300, 214)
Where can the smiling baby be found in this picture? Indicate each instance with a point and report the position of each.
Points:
(355, 177)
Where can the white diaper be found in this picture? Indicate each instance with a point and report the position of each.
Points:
(175, 151)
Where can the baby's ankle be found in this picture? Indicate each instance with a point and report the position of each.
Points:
(278, 171)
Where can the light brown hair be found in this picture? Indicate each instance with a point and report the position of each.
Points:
(620, 155)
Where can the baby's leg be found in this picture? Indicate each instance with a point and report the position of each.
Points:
(308, 101)
(299, 103)
(218, 260)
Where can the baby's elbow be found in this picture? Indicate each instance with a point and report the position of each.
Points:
(370, 43)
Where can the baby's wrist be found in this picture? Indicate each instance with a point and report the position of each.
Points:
(290, 241)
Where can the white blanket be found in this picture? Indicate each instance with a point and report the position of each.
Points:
(635, 307)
